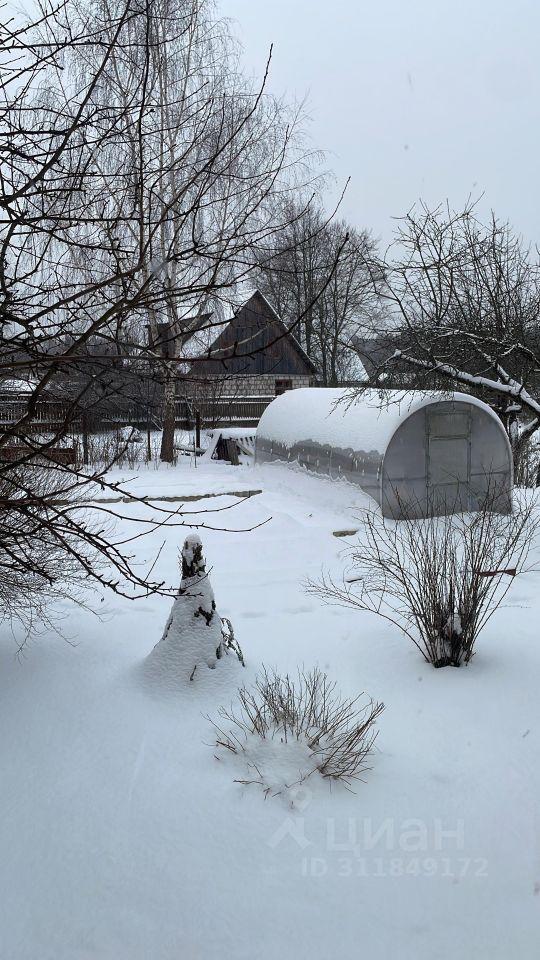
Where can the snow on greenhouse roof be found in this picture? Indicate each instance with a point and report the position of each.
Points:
(328, 416)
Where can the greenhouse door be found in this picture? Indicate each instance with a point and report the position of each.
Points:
(449, 461)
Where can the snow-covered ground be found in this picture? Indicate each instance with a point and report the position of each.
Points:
(122, 837)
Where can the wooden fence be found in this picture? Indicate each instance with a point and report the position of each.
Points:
(51, 414)
(225, 411)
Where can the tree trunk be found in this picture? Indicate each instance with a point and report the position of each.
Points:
(169, 419)
(148, 436)
(84, 424)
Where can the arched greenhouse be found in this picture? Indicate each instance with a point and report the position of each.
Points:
(415, 453)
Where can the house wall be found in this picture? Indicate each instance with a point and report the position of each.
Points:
(254, 385)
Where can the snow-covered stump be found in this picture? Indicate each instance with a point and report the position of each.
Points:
(194, 638)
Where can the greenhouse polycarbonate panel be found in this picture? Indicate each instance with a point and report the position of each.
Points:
(414, 453)
(449, 425)
(448, 498)
(448, 461)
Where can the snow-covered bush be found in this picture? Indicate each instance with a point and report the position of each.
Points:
(195, 637)
(285, 731)
(438, 579)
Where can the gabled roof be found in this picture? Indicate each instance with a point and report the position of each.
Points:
(255, 341)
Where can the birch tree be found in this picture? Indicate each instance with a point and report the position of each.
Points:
(196, 161)
(110, 215)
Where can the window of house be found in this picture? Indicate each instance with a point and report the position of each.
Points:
(282, 386)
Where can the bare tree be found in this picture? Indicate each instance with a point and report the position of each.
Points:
(195, 161)
(463, 310)
(345, 303)
(294, 275)
(109, 217)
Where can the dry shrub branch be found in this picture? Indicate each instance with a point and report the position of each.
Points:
(336, 734)
(439, 579)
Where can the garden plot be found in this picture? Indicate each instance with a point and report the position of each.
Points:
(124, 837)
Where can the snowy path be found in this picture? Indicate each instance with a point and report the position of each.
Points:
(123, 838)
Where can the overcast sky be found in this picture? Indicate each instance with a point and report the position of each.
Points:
(429, 99)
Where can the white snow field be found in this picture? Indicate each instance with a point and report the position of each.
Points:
(122, 837)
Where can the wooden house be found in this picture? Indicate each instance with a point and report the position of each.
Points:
(256, 354)
(253, 359)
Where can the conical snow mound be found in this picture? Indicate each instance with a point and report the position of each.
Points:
(192, 641)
